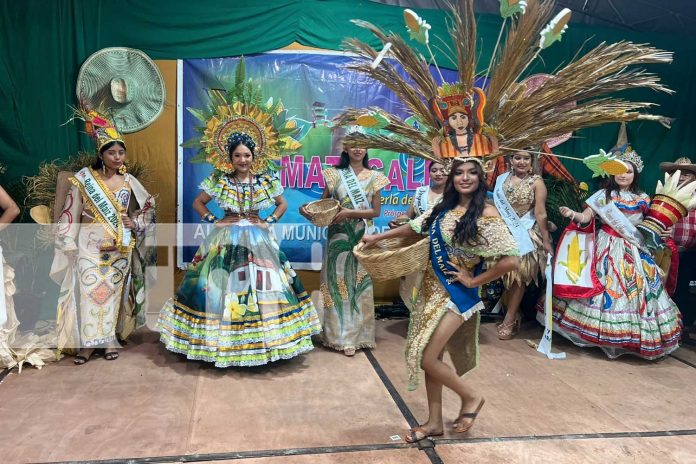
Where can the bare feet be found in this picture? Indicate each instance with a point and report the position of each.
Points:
(350, 351)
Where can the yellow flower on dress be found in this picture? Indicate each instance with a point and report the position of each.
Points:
(234, 310)
(583, 186)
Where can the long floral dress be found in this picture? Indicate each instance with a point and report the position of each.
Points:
(348, 310)
(240, 303)
(633, 314)
(494, 242)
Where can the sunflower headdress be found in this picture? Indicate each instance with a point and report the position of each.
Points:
(575, 96)
(240, 110)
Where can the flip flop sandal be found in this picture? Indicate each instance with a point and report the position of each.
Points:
(413, 436)
(462, 428)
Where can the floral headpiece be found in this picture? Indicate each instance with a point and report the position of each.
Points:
(453, 98)
(626, 153)
(99, 127)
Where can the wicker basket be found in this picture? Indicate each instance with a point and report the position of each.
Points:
(323, 211)
(395, 257)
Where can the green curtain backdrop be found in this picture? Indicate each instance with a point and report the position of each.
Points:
(43, 44)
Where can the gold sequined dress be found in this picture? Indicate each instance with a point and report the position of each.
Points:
(532, 264)
(495, 241)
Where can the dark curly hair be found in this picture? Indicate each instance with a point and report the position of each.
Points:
(466, 230)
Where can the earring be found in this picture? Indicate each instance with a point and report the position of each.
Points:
(122, 170)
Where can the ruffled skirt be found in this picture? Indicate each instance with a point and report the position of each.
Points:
(531, 265)
(240, 304)
(633, 314)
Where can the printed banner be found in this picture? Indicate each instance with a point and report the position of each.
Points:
(314, 88)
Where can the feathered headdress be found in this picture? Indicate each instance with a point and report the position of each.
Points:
(577, 95)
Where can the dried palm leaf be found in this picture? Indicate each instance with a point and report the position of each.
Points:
(415, 89)
(463, 33)
(589, 80)
(520, 48)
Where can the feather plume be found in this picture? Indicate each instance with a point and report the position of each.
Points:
(463, 33)
(519, 49)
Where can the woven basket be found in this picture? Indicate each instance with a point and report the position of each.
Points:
(323, 211)
(394, 258)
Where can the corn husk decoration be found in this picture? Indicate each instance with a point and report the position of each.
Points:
(518, 121)
(510, 8)
(604, 164)
(671, 203)
(417, 27)
(555, 29)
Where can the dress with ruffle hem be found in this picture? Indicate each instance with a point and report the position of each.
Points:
(633, 314)
(240, 303)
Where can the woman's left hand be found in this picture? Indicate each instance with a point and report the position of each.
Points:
(341, 216)
(462, 274)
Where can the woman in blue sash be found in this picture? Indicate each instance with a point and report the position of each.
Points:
(470, 245)
(348, 309)
(629, 310)
(520, 196)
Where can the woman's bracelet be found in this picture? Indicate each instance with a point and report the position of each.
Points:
(272, 219)
(209, 217)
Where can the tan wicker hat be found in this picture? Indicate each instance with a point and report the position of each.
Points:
(683, 164)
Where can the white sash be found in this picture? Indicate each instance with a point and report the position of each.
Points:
(104, 206)
(545, 342)
(357, 195)
(519, 226)
(420, 200)
(614, 218)
(3, 307)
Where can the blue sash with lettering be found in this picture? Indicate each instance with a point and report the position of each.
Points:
(465, 300)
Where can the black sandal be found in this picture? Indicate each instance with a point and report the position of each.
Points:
(111, 355)
(80, 359)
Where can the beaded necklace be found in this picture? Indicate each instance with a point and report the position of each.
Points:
(240, 196)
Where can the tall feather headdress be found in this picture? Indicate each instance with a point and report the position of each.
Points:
(577, 95)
